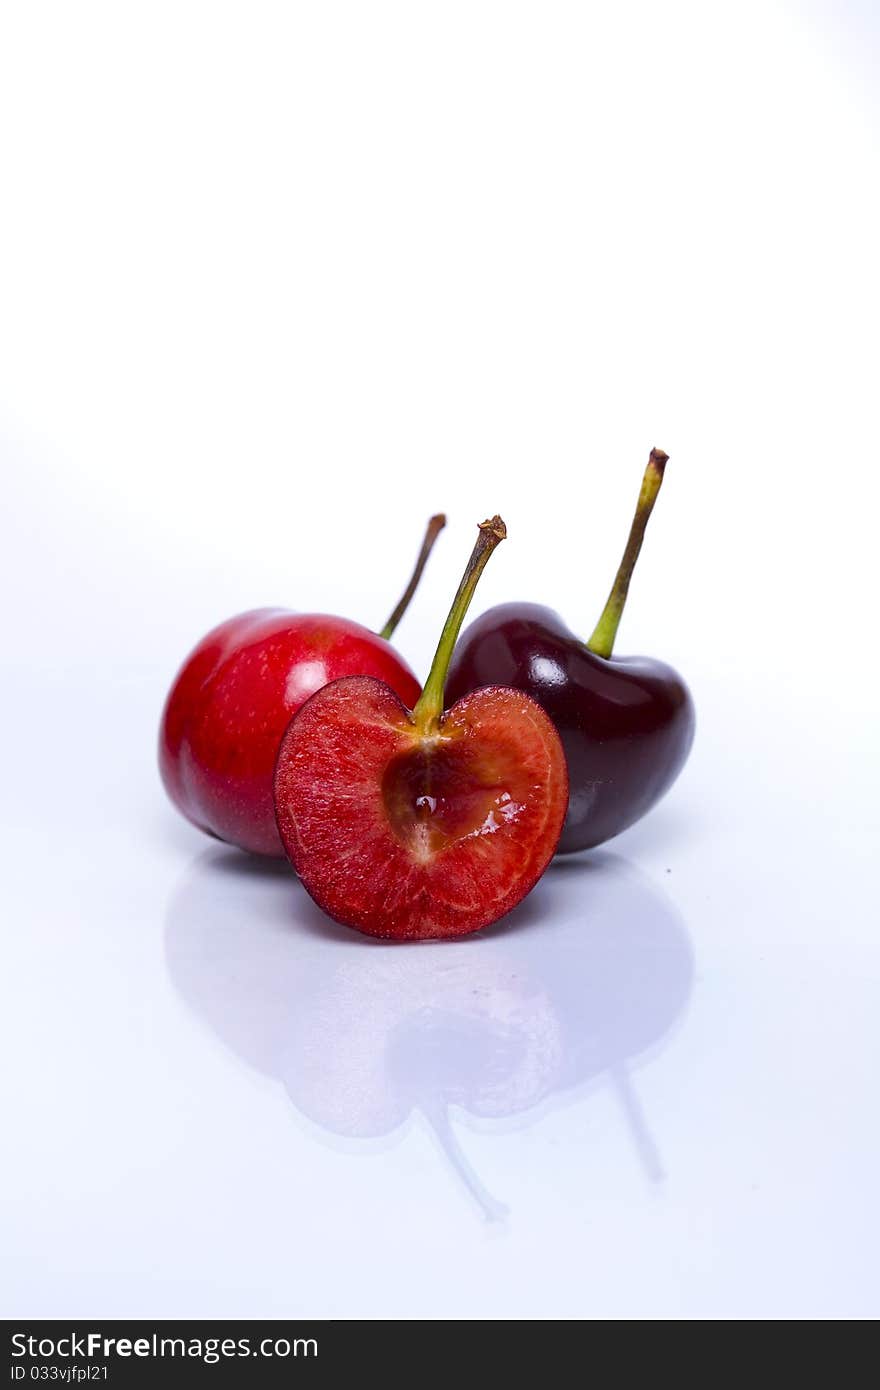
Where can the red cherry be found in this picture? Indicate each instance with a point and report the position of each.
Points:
(234, 696)
(411, 824)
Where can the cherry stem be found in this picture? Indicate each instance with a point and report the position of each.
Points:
(605, 632)
(435, 526)
(430, 704)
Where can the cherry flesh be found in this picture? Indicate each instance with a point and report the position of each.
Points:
(421, 823)
(235, 694)
(626, 723)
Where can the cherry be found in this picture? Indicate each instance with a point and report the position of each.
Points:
(234, 695)
(626, 723)
(424, 822)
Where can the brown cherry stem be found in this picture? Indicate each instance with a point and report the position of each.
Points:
(435, 526)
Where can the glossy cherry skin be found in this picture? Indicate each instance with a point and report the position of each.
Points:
(232, 700)
(626, 724)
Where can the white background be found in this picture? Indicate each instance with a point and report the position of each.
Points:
(276, 282)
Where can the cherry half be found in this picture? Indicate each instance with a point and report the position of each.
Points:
(421, 823)
(626, 723)
(234, 695)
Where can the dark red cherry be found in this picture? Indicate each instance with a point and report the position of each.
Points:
(235, 694)
(626, 723)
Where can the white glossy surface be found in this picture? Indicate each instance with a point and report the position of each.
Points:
(652, 1092)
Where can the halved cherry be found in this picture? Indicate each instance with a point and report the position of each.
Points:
(413, 824)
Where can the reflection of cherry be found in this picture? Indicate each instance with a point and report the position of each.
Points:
(363, 1035)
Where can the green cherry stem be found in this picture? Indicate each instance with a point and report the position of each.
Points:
(430, 704)
(605, 632)
(435, 526)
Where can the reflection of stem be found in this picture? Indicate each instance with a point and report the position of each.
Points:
(629, 1101)
(438, 1118)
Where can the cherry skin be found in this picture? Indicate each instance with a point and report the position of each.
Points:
(235, 694)
(411, 824)
(626, 723)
